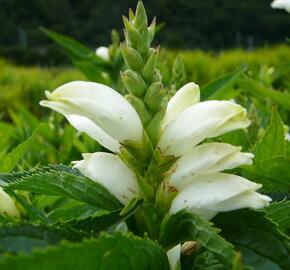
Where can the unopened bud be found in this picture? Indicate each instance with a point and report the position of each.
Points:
(134, 83)
(154, 96)
(140, 108)
(141, 20)
(132, 58)
(154, 128)
(149, 68)
(115, 37)
(132, 34)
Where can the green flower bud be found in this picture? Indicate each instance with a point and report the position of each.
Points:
(151, 29)
(131, 15)
(164, 196)
(154, 128)
(141, 20)
(145, 41)
(115, 37)
(140, 108)
(157, 75)
(132, 34)
(132, 58)
(134, 83)
(154, 96)
(149, 68)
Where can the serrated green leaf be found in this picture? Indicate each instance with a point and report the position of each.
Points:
(85, 218)
(279, 212)
(273, 173)
(25, 237)
(258, 239)
(58, 181)
(272, 143)
(217, 88)
(184, 226)
(77, 210)
(113, 252)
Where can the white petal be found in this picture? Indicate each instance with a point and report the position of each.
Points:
(207, 158)
(248, 198)
(7, 205)
(281, 4)
(84, 124)
(205, 192)
(103, 52)
(109, 171)
(185, 97)
(202, 120)
(105, 107)
(174, 257)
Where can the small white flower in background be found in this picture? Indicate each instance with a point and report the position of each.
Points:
(110, 119)
(287, 136)
(103, 52)
(281, 4)
(7, 205)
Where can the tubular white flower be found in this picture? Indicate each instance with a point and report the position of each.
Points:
(203, 120)
(281, 4)
(7, 205)
(110, 111)
(173, 256)
(108, 170)
(209, 194)
(103, 52)
(84, 124)
(185, 97)
(206, 159)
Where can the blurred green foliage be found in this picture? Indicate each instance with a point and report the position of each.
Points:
(211, 24)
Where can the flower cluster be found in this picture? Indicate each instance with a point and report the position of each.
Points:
(110, 119)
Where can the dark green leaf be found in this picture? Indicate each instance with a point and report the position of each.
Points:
(280, 213)
(85, 218)
(25, 237)
(113, 252)
(184, 226)
(57, 181)
(262, 245)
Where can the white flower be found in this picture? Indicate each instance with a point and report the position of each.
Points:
(200, 121)
(97, 110)
(208, 194)
(109, 171)
(196, 175)
(109, 118)
(185, 97)
(7, 205)
(103, 52)
(281, 4)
